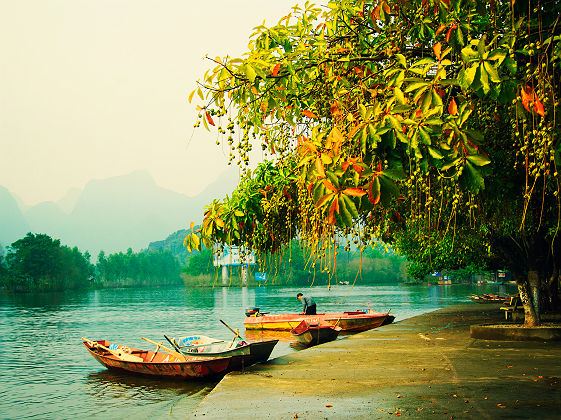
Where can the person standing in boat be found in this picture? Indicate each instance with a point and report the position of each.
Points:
(308, 304)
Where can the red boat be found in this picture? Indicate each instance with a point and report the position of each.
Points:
(312, 333)
(115, 356)
(348, 321)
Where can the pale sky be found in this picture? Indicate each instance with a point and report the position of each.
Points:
(91, 89)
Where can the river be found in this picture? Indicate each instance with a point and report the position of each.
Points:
(46, 372)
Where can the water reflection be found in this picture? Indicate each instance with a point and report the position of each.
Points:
(47, 373)
(108, 384)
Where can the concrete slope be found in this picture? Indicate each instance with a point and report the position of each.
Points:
(423, 367)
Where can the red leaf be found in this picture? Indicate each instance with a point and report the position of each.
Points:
(371, 198)
(525, 98)
(538, 107)
(452, 107)
(329, 185)
(447, 38)
(376, 12)
(209, 118)
(387, 9)
(309, 114)
(332, 209)
(436, 48)
(441, 28)
(355, 192)
(276, 69)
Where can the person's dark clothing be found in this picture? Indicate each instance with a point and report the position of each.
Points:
(308, 305)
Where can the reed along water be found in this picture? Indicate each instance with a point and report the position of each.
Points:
(46, 372)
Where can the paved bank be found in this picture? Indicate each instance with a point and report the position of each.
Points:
(422, 367)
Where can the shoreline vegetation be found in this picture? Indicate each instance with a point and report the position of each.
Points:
(38, 263)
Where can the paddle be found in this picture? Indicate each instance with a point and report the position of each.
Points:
(236, 333)
(173, 344)
(180, 356)
(119, 354)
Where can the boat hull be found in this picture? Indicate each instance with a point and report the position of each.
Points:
(348, 321)
(240, 357)
(311, 335)
(161, 364)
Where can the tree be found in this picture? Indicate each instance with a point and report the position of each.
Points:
(431, 125)
(38, 262)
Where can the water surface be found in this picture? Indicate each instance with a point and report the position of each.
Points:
(46, 372)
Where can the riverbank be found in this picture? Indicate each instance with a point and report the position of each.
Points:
(427, 366)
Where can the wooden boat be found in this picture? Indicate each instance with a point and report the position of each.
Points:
(348, 321)
(244, 353)
(155, 363)
(311, 334)
(488, 298)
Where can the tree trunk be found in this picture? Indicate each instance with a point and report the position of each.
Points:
(529, 291)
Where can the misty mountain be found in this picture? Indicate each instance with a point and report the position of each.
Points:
(13, 225)
(46, 217)
(113, 214)
(69, 200)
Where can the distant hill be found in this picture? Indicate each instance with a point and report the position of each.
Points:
(174, 244)
(13, 225)
(112, 214)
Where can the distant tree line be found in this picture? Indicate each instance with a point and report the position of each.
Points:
(39, 263)
(295, 267)
(137, 269)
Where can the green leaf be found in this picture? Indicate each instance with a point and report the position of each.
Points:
(427, 101)
(435, 154)
(395, 124)
(511, 65)
(350, 205)
(415, 85)
(479, 160)
(333, 178)
(395, 174)
(472, 178)
(362, 110)
(484, 79)
(401, 60)
(425, 137)
(492, 71)
(400, 98)
(250, 73)
(450, 164)
(344, 212)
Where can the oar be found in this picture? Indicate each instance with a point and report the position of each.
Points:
(119, 354)
(173, 344)
(170, 351)
(236, 332)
